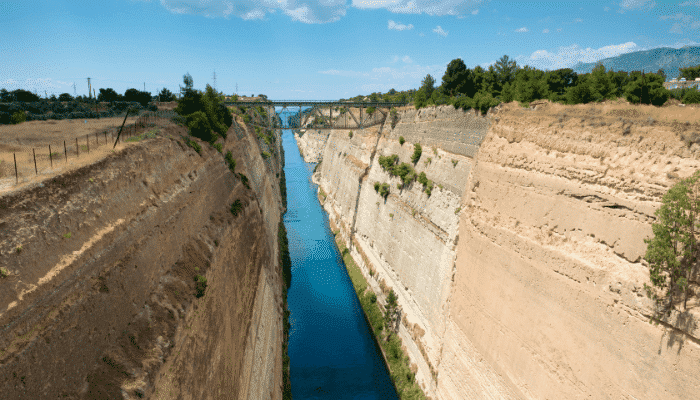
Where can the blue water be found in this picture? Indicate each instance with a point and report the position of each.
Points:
(331, 350)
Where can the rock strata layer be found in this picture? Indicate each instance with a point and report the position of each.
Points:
(521, 275)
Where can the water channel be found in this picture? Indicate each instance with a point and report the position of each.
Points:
(331, 350)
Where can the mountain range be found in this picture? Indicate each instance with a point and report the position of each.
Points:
(666, 58)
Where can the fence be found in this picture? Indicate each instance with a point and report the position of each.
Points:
(57, 144)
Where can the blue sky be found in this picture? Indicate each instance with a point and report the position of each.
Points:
(323, 49)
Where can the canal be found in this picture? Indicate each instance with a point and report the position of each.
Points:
(331, 350)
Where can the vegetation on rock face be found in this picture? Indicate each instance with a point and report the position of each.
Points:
(417, 150)
(382, 324)
(200, 283)
(236, 207)
(205, 112)
(230, 161)
(672, 253)
(401, 140)
(382, 189)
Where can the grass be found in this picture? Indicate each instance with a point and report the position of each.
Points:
(4, 273)
(454, 163)
(322, 193)
(146, 135)
(67, 235)
(457, 210)
(18, 249)
(350, 134)
(265, 155)
(399, 364)
(219, 147)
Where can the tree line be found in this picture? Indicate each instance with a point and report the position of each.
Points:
(105, 95)
(506, 81)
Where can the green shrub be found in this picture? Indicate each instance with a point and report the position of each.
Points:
(200, 284)
(387, 162)
(454, 163)
(244, 180)
(350, 134)
(4, 273)
(67, 235)
(199, 126)
(19, 117)
(417, 150)
(265, 155)
(230, 162)
(376, 186)
(406, 172)
(247, 118)
(219, 147)
(384, 190)
(236, 207)
(401, 140)
(691, 97)
(457, 210)
(195, 146)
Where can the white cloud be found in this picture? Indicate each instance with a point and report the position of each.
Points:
(565, 57)
(637, 4)
(399, 26)
(558, 29)
(523, 29)
(390, 74)
(430, 7)
(306, 11)
(475, 12)
(683, 23)
(690, 3)
(545, 31)
(407, 59)
(440, 31)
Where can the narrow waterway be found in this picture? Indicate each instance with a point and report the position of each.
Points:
(331, 350)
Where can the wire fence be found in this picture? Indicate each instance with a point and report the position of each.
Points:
(38, 148)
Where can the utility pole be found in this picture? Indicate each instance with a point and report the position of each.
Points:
(89, 89)
(215, 80)
(74, 92)
(144, 86)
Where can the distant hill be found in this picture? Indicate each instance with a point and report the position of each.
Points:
(666, 58)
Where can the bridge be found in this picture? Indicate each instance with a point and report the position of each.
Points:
(318, 114)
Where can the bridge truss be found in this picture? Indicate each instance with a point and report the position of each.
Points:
(319, 114)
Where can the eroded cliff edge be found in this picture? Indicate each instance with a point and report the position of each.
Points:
(521, 275)
(101, 299)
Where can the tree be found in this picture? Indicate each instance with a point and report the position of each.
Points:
(5, 96)
(138, 96)
(108, 95)
(600, 85)
(428, 85)
(420, 100)
(561, 79)
(530, 84)
(689, 73)
(392, 313)
(455, 77)
(580, 93)
(65, 97)
(505, 69)
(24, 95)
(166, 95)
(662, 74)
(646, 89)
(672, 251)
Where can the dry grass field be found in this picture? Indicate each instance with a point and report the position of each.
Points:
(95, 139)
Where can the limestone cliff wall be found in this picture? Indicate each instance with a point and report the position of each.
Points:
(521, 275)
(100, 301)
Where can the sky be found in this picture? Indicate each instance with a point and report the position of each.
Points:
(313, 50)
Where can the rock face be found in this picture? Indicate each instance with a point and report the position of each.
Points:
(521, 276)
(100, 301)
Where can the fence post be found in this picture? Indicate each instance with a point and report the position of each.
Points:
(77, 148)
(50, 156)
(65, 151)
(35, 169)
(16, 176)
